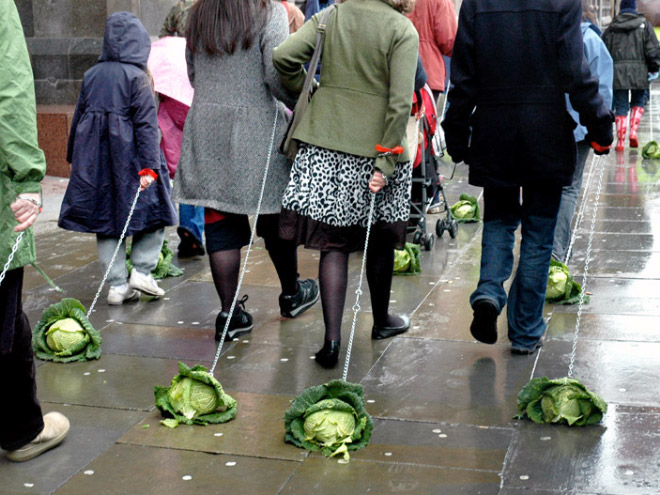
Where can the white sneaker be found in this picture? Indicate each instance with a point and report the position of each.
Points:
(56, 427)
(121, 294)
(145, 283)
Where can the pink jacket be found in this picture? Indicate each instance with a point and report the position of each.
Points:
(436, 24)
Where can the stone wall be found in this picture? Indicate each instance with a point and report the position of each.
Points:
(64, 38)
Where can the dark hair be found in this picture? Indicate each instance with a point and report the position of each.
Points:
(221, 26)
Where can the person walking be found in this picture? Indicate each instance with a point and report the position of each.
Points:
(226, 145)
(601, 67)
(632, 42)
(507, 120)
(364, 100)
(24, 431)
(435, 21)
(113, 147)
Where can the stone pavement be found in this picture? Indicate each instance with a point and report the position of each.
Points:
(442, 404)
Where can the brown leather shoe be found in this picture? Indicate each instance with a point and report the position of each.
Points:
(56, 427)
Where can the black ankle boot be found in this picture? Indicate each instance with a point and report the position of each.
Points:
(329, 354)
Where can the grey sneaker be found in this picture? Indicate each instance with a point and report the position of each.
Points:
(56, 427)
(145, 283)
(121, 294)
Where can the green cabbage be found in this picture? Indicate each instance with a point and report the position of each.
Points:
(561, 288)
(194, 397)
(165, 267)
(330, 418)
(407, 260)
(466, 209)
(563, 400)
(651, 151)
(64, 334)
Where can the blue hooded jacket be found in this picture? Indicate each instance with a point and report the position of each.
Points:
(114, 135)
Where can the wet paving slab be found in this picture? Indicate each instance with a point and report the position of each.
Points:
(633, 328)
(93, 430)
(148, 470)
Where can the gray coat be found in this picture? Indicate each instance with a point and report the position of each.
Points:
(228, 128)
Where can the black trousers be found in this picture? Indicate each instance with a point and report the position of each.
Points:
(20, 418)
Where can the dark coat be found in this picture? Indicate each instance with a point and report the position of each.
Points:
(633, 45)
(513, 61)
(114, 134)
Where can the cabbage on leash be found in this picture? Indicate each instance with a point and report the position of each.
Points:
(562, 400)
(466, 209)
(64, 334)
(407, 260)
(194, 397)
(651, 151)
(330, 418)
(561, 288)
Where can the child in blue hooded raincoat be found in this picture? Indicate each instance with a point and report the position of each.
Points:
(113, 147)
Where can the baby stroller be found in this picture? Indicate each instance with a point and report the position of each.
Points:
(425, 143)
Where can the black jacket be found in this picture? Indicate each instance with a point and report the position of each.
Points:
(513, 62)
(634, 49)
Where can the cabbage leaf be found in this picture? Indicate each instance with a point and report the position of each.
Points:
(165, 267)
(561, 288)
(64, 334)
(407, 261)
(562, 400)
(330, 418)
(194, 397)
(466, 209)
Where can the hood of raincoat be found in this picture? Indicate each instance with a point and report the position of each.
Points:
(627, 22)
(126, 40)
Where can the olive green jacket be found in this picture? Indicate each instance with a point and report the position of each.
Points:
(22, 163)
(367, 79)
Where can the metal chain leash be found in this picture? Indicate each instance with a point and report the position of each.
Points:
(580, 215)
(11, 256)
(358, 292)
(587, 261)
(249, 248)
(114, 255)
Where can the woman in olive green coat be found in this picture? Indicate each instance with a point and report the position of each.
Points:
(369, 60)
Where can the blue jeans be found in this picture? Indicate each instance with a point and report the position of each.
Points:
(624, 99)
(503, 213)
(569, 196)
(192, 218)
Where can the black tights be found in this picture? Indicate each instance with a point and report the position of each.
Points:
(225, 267)
(333, 280)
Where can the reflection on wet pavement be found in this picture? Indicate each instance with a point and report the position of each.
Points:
(442, 403)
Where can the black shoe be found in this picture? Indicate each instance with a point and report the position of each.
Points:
(484, 323)
(526, 351)
(378, 333)
(329, 354)
(307, 295)
(190, 245)
(240, 324)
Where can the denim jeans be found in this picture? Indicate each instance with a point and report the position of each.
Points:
(144, 254)
(569, 196)
(623, 100)
(503, 213)
(192, 218)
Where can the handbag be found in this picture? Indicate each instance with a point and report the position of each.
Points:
(289, 146)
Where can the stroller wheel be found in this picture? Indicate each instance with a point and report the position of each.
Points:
(429, 241)
(453, 228)
(440, 227)
(417, 238)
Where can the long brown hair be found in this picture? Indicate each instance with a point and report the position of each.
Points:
(222, 26)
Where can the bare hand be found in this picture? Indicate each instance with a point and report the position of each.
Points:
(25, 211)
(377, 182)
(145, 181)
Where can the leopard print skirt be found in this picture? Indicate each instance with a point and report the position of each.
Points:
(326, 204)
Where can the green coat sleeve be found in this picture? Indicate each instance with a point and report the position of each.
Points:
(403, 64)
(20, 157)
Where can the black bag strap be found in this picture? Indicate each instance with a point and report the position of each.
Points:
(318, 50)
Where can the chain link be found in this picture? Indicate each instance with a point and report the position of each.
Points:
(11, 256)
(587, 261)
(114, 255)
(358, 291)
(249, 248)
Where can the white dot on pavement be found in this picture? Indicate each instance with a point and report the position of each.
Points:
(231, 357)
(524, 477)
(28, 485)
(371, 401)
(545, 439)
(218, 434)
(195, 323)
(230, 463)
(180, 322)
(312, 357)
(89, 472)
(437, 430)
(442, 435)
(342, 461)
(187, 477)
(109, 321)
(622, 390)
(166, 299)
(388, 454)
(629, 472)
(284, 360)
(246, 341)
(86, 373)
(101, 370)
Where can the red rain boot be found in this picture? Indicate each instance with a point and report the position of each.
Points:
(635, 118)
(621, 124)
